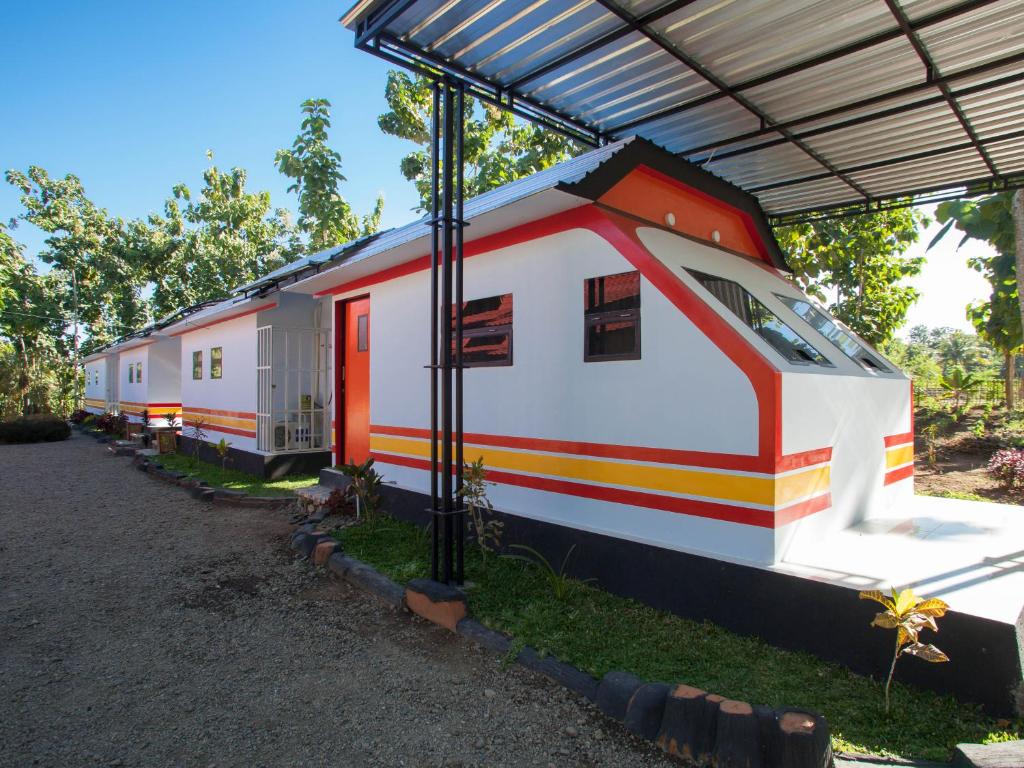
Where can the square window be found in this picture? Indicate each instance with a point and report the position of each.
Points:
(197, 364)
(216, 362)
(486, 332)
(611, 317)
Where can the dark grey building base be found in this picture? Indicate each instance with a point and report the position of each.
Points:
(787, 611)
(270, 467)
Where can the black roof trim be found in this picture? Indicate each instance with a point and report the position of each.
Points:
(640, 151)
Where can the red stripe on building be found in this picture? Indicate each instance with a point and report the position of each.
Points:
(757, 517)
(220, 320)
(226, 430)
(215, 412)
(906, 437)
(675, 456)
(894, 476)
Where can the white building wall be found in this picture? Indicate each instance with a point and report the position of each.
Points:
(96, 386)
(133, 395)
(683, 393)
(234, 393)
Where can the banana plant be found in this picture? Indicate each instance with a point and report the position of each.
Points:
(908, 614)
(959, 384)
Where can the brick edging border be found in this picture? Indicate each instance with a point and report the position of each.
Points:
(199, 489)
(687, 723)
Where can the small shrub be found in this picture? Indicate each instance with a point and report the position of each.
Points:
(364, 488)
(79, 416)
(486, 529)
(1007, 466)
(41, 428)
(908, 614)
(561, 584)
(223, 449)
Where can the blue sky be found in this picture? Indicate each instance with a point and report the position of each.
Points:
(130, 96)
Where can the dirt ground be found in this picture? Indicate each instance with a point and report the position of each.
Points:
(139, 627)
(960, 457)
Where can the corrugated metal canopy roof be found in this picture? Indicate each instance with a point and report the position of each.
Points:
(808, 104)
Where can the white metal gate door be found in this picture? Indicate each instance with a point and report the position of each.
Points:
(264, 388)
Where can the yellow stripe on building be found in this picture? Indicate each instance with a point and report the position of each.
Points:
(768, 491)
(899, 455)
(220, 421)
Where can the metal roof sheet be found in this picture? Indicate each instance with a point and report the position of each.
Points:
(879, 97)
(567, 172)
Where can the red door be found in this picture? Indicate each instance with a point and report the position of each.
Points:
(354, 382)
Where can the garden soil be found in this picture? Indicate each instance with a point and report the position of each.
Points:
(140, 627)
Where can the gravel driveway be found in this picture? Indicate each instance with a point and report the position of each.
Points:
(140, 627)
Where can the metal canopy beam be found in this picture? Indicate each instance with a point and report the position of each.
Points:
(726, 90)
(460, 39)
(792, 69)
(932, 71)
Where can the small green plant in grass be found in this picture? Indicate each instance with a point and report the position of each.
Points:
(908, 614)
(486, 530)
(223, 449)
(979, 428)
(560, 583)
(364, 488)
(197, 432)
(931, 436)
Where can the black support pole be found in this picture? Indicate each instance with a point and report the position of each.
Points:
(460, 522)
(446, 242)
(435, 161)
(447, 164)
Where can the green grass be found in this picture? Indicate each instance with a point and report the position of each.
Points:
(599, 632)
(956, 495)
(233, 479)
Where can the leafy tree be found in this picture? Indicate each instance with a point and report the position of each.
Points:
(36, 372)
(861, 261)
(497, 148)
(102, 291)
(212, 243)
(323, 214)
(998, 320)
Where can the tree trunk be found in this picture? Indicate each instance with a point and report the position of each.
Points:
(1011, 380)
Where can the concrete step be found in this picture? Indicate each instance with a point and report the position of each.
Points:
(317, 494)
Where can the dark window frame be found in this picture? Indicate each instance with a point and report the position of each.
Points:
(213, 370)
(591, 319)
(700, 276)
(505, 329)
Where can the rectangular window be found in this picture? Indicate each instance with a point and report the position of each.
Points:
(486, 332)
(761, 320)
(131, 373)
(216, 362)
(197, 364)
(362, 335)
(138, 373)
(828, 328)
(611, 317)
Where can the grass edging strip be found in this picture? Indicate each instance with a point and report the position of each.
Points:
(687, 723)
(199, 489)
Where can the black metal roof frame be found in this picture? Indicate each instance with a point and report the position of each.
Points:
(373, 35)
